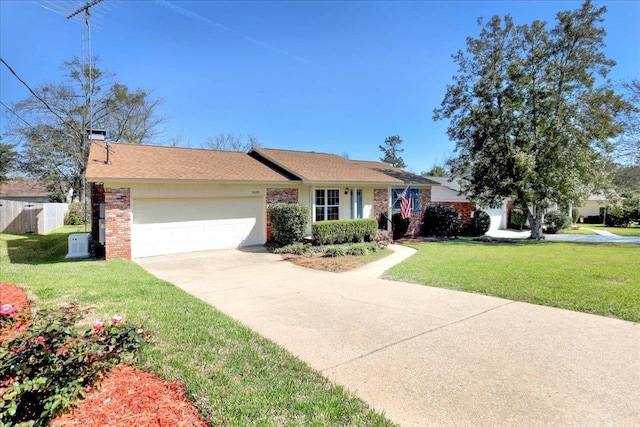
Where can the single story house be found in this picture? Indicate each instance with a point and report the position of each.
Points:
(24, 190)
(449, 192)
(154, 200)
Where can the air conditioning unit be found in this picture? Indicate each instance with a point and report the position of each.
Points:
(78, 245)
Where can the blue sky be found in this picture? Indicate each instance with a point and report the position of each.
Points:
(333, 77)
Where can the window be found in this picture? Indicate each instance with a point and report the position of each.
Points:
(395, 199)
(327, 204)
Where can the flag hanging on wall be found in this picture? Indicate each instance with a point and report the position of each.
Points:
(405, 203)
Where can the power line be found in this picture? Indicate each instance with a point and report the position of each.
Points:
(32, 91)
(17, 115)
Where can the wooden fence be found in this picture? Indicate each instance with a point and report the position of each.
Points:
(31, 217)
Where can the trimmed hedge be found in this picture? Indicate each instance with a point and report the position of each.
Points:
(344, 231)
(556, 221)
(440, 220)
(288, 222)
(479, 224)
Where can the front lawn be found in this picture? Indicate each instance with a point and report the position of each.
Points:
(632, 231)
(592, 278)
(233, 375)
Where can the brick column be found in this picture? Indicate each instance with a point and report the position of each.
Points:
(117, 223)
(417, 217)
(278, 195)
(381, 203)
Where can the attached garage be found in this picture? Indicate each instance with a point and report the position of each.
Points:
(178, 225)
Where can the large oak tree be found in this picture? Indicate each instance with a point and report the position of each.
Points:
(529, 122)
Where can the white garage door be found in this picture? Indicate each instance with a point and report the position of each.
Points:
(170, 226)
(497, 218)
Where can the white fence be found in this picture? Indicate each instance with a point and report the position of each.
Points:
(31, 217)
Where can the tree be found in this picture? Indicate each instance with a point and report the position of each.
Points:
(528, 121)
(231, 142)
(51, 125)
(628, 147)
(436, 170)
(391, 152)
(8, 158)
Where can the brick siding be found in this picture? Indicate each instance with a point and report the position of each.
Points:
(278, 195)
(117, 223)
(417, 217)
(380, 203)
(464, 208)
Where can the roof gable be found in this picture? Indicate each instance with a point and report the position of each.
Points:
(321, 167)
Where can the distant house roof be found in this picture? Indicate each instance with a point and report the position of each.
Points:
(23, 188)
(148, 162)
(321, 167)
(131, 162)
(453, 185)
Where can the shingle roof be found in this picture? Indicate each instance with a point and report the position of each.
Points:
(445, 182)
(322, 167)
(148, 162)
(23, 188)
(402, 175)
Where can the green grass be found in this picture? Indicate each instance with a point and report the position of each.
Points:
(235, 376)
(592, 278)
(620, 231)
(578, 231)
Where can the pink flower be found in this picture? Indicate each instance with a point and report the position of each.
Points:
(116, 319)
(98, 325)
(7, 309)
(40, 339)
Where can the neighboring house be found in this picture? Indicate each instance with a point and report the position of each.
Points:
(449, 192)
(24, 190)
(593, 204)
(151, 200)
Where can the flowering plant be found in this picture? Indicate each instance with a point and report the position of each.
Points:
(44, 370)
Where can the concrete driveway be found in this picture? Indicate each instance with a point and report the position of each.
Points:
(427, 356)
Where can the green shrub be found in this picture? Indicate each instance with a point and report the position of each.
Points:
(288, 222)
(344, 231)
(46, 368)
(360, 249)
(440, 220)
(75, 215)
(575, 215)
(400, 226)
(479, 224)
(517, 218)
(556, 221)
(297, 248)
(335, 251)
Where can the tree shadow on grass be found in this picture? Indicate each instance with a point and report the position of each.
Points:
(35, 249)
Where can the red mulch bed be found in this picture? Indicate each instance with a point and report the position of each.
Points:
(125, 396)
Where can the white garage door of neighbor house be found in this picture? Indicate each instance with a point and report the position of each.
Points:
(497, 216)
(170, 226)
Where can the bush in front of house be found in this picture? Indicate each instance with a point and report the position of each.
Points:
(344, 231)
(354, 249)
(288, 222)
(400, 226)
(556, 221)
(478, 225)
(44, 369)
(75, 215)
(441, 221)
(517, 219)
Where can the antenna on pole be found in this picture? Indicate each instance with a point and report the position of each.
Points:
(87, 60)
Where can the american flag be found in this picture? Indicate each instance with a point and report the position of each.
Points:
(405, 203)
